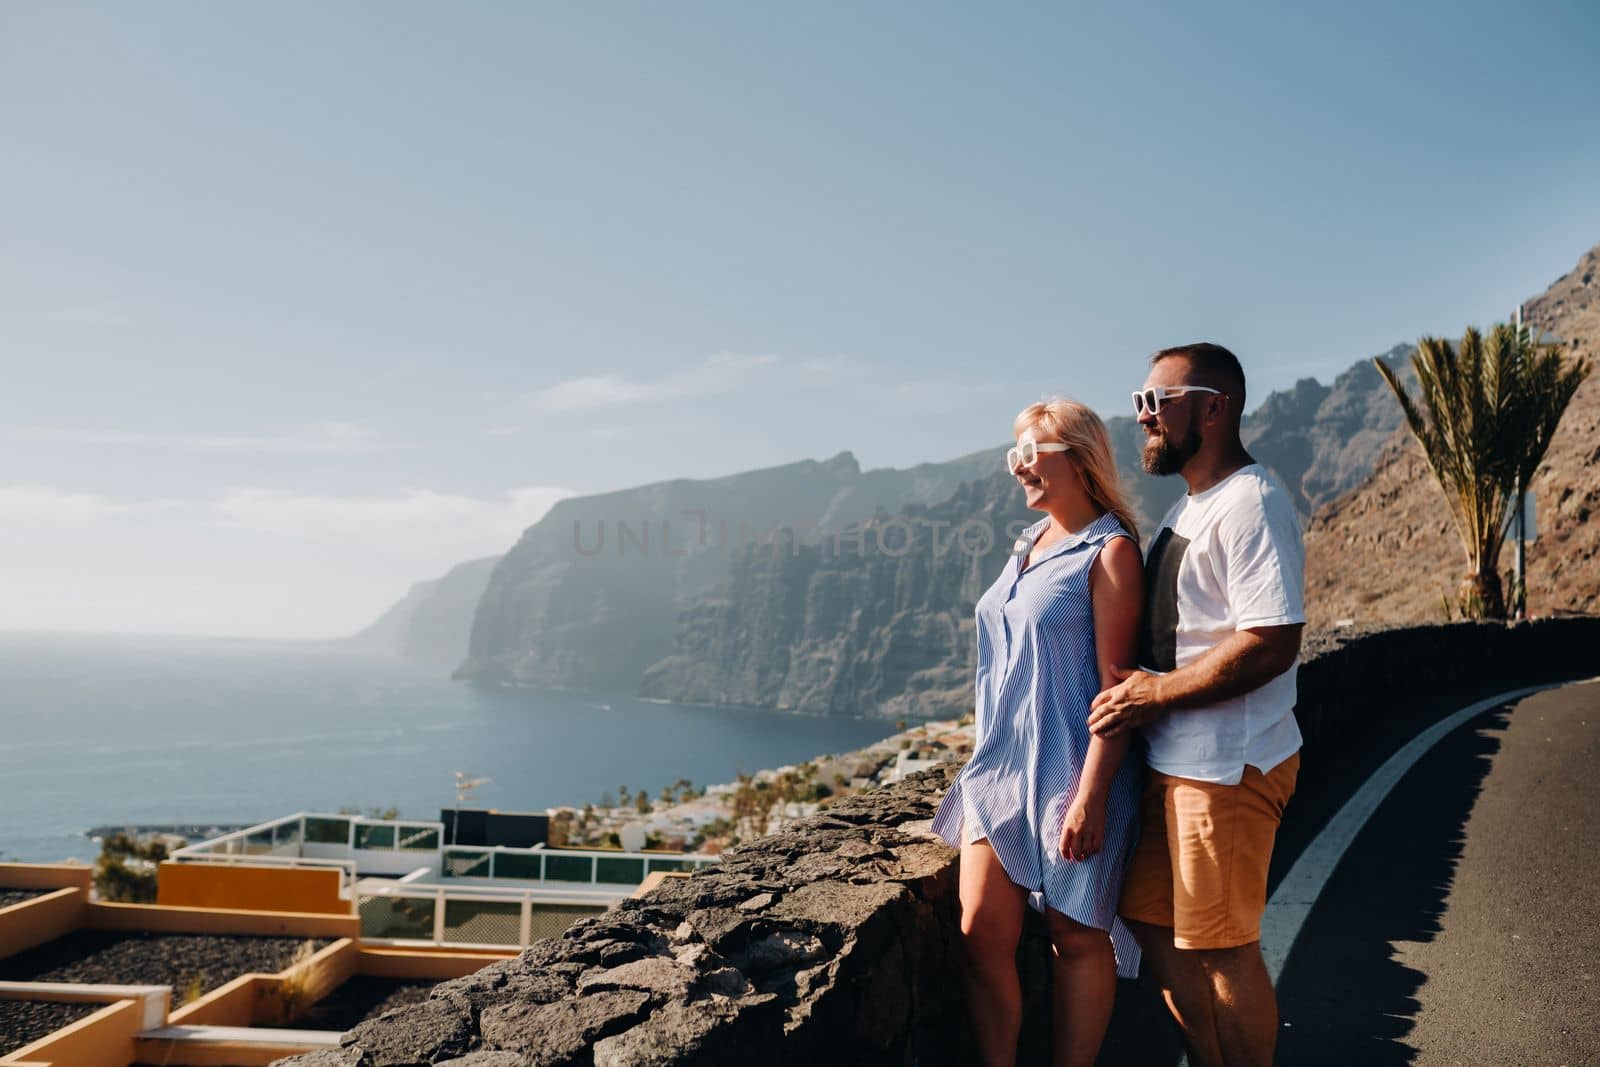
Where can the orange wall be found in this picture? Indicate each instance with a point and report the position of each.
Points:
(259, 999)
(44, 875)
(233, 1004)
(412, 963)
(104, 1039)
(213, 1054)
(156, 918)
(297, 889)
(33, 922)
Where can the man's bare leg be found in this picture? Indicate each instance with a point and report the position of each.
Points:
(1244, 1004)
(1187, 988)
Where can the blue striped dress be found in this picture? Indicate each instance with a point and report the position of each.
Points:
(1036, 677)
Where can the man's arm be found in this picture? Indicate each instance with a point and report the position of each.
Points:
(1237, 665)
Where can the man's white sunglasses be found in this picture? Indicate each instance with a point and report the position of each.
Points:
(1027, 451)
(1150, 399)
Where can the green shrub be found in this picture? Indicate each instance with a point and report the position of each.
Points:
(126, 869)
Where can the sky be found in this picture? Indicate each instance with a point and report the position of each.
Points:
(301, 303)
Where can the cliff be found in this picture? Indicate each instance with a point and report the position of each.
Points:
(853, 629)
(589, 597)
(837, 939)
(431, 623)
(679, 590)
(1322, 441)
(878, 622)
(1387, 551)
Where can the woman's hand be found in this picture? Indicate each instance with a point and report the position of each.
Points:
(1083, 829)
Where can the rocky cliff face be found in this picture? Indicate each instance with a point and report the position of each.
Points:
(879, 620)
(837, 940)
(866, 632)
(590, 596)
(441, 624)
(1387, 552)
(682, 585)
(431, 623)
(1321, 440)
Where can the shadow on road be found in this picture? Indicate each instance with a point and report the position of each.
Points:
(1343, 997)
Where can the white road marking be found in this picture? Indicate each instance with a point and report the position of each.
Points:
(1292, 902)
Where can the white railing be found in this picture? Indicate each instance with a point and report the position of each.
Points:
(599, 867)
(261, 839)
(386, 845)
(352, 843)
(356, 833)
(358, 846)
(346, 868)
(462, 917)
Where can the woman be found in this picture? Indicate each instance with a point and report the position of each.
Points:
(1045, 814)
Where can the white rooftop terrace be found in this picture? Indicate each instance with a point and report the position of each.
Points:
(411, 888)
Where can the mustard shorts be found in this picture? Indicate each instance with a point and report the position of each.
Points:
(1201, 863)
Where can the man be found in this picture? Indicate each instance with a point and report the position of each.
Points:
(1214, 697)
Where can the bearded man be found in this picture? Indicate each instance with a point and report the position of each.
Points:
(1214, 698)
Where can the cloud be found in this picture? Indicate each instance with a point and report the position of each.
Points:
(718, 373)
(941, 394)
(587, 394)
(107, 313)
(319, 438)
(265, 562)
(27, 503)
(823, 371)
(413, 512)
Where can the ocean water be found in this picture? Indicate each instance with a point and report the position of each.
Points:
(118, 730)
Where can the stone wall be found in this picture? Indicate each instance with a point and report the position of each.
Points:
(1350, 677)
(836, 940)
(838, 933)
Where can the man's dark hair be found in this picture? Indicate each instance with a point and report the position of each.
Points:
(1212, 365)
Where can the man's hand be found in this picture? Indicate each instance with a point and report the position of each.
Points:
(1129, 704)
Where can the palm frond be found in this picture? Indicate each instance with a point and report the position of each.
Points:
(1486, 411)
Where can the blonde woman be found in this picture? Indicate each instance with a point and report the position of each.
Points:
(1045, 813)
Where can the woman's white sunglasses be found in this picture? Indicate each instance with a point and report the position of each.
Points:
(1027, 451)
(1150, 399)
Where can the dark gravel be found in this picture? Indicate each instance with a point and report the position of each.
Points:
(178, 960)
(360, 999)
(9, 897)
(22, 1022)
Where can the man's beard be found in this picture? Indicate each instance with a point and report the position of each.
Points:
(1162, 457)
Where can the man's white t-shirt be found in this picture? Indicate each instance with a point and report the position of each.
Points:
(1225, 560)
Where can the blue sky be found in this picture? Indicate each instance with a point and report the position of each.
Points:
(302, 302)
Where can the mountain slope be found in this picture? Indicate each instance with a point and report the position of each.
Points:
(1387, 551)
(431, 623)
(853, 632)
(442, 623)
(590, 595)
(662, 582)
(880, 623)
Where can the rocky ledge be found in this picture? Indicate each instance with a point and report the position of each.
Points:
(837, 940)
(839, 932)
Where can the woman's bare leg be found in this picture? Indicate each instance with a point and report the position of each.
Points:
(1084, 989)
(991, 926)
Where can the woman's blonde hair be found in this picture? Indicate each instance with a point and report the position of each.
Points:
(1081, 430)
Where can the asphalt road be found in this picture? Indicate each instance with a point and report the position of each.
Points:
(1463, 925)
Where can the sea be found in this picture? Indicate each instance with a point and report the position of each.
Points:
(134, 730)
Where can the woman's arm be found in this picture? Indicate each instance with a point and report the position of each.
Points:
(1116, 592)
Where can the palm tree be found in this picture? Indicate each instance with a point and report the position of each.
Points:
(1488, 412)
